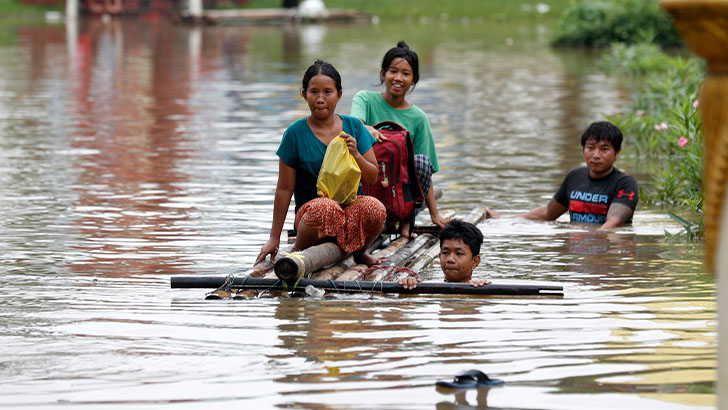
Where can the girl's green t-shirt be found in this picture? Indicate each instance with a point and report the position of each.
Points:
(371, 107)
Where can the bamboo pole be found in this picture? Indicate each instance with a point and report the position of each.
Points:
(426, 258)
(187, 282)
(406, 252)
(265, 266)
(304, 263)
(401, 257)
(352, 271)
(356, 271)
(298, 264)
(263, 269)
(333, 272)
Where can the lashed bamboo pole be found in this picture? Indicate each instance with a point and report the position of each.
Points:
(265, 266)
(298, 264)
(334, 271)
(390, 271)
(419, 260)
(426, 258)
(304, 263)
(356, 271)
(262, 269)
(307, 262)
(412, 246)
(401, 258)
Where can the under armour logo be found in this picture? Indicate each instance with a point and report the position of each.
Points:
(629, 195)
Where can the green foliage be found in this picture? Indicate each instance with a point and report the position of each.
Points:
(599, 23)
(692, 231)
(12, 9)
(663, 124)
(471, 9)
(635, 60)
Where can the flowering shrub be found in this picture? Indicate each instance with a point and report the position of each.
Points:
(663, 122)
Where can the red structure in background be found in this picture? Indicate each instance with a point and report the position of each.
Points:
(135, 7)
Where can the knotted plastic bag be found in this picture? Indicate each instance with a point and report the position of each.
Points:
(339, 176)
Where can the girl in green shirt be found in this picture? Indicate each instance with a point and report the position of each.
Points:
(399, 75)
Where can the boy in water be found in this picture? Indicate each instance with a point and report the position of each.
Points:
(459, 254)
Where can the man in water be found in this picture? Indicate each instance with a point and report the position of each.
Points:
(598, 193)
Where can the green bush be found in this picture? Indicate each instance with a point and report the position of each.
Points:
(599, 23)
(663, 122)
(635, 60)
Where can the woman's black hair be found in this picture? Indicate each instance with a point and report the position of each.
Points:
(321, 67)
(401, 51)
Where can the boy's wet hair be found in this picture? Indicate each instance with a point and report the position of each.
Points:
(464, 231)
(402, 50)
(324, 68)
(603, 131)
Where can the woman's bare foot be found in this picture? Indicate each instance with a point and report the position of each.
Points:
(367, 258)
(404, 230)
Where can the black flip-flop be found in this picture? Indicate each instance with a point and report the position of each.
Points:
(469, 380)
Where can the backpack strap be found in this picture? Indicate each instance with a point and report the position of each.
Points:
(391, 125)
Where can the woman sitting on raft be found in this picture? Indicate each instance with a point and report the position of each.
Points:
(301, 153)
(400, 73)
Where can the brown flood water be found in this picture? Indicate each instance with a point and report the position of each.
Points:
(136, 150)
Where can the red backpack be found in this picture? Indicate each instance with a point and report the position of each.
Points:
(397, 186)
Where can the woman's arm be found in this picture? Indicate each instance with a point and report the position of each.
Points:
(281, 202)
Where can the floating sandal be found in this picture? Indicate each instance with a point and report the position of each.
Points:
(469, 380)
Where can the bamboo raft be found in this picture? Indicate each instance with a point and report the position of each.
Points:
(326, 267)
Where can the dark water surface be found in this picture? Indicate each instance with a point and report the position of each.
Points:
(133, 151)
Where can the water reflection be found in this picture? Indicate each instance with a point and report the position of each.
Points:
(461, 399)
(326, 332)
(129, 182)
(133, 150)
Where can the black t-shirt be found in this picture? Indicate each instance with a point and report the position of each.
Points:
(588, 199)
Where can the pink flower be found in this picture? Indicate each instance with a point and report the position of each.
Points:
(696, 104)
(640, 112)
(661, 126)
(682, 141)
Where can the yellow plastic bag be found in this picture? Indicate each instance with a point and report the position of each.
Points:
(339, 176)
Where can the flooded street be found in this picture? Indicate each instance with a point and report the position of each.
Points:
(131, 151)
